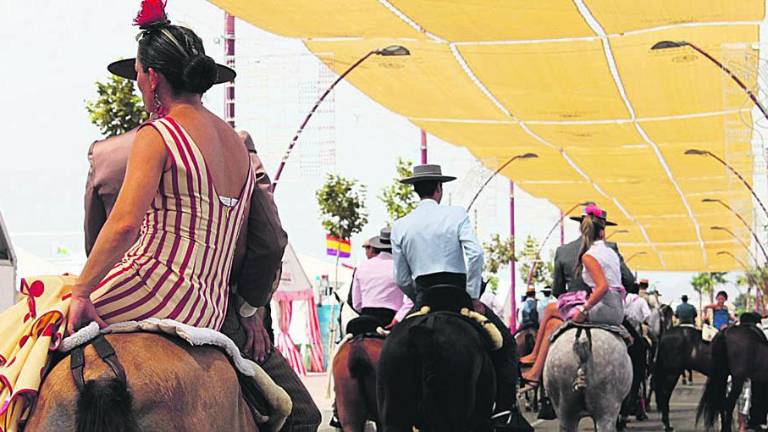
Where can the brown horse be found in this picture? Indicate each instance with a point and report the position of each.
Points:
(172, 386)
(354, 377)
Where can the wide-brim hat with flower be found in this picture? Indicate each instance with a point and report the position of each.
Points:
(152, 15)
(427, 172)
(594, 210)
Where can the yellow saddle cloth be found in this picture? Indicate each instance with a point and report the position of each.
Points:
(30, 330)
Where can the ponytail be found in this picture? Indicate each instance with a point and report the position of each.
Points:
(590, 232)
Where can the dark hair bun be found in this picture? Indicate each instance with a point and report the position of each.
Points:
(199, 74)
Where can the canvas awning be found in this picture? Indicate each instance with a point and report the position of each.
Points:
(577, 83)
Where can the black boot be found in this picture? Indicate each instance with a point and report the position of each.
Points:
(334, 422)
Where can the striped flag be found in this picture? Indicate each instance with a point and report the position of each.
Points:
(336, 247)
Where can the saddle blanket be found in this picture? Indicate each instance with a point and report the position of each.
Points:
(567, 325)
(277, 398)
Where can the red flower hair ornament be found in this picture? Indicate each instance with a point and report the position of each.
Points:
(152, 13)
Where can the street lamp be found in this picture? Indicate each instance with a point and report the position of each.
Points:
(678, 44)
(744, 245)
(390, 51)
(626, 261)
(621, 231)
(498, 170)
(744, 222)
(735, 258)
(698, 152)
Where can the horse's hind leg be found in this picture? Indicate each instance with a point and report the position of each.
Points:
(726, 416)
(665, 385)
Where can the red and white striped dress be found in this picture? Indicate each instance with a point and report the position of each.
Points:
(179, 267)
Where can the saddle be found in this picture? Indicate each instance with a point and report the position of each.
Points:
(364, 326)
(450, 299)
(619, 331)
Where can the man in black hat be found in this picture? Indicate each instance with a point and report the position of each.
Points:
(429, 247)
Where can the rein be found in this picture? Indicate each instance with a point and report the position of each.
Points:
(106, 352)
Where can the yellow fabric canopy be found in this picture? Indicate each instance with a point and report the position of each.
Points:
(576, 82)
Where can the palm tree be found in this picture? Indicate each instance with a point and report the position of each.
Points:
(701, 283)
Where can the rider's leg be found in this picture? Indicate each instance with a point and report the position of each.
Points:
(534, 373)
(550, 312)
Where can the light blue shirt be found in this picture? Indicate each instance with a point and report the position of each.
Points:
(435, 238)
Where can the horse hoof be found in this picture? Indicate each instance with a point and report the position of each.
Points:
(668, 428)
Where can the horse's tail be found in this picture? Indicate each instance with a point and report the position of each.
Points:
(712, 400)
(105, 405)
(360, 368)
(582, 346)
(423, 349)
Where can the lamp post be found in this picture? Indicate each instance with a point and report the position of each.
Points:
(546, 239)
(698, 152)
(735, 258)
(390, 51)
(621, 231)
(744, 222)
(678, 44)
(744, 245)
(626, 261)
(498, 170)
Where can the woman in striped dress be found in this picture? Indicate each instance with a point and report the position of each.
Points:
(186, 193)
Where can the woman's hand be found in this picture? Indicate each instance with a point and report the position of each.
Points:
(580, 316)
(81, 313)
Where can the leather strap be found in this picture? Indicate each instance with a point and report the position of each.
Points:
(106, 352)
(77, 366)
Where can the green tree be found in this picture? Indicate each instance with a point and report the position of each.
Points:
(705, 283)
(498, 253)
(533, 269)
(399, 198)
(118, 108)
(342, 206)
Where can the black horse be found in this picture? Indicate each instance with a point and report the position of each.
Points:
(739, 351)
(680, 349)
(435, 373)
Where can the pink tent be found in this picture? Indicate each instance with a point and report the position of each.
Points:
(295, 285)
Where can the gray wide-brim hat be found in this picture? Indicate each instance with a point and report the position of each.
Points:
(427, 172)
(383, 240)
(127, 69)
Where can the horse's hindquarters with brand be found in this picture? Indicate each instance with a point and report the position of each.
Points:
(354, 378)
(606, 380)
(173, 387)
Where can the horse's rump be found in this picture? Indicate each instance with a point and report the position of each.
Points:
(435, 371)
(173, 385)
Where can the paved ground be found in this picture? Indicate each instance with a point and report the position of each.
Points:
(682, 414)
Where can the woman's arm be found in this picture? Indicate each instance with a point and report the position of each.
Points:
(601, 285)
(145, 167)
(142, 177)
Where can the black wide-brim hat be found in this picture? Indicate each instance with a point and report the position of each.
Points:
(604, 218)
(127, 69)
(427, 173)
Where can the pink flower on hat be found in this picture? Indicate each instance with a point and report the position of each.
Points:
(593, 210)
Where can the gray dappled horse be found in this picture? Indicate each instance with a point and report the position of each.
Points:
(604, 372)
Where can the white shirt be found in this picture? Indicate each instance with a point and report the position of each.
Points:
(609, 262)
(436, 238)
(636, 309)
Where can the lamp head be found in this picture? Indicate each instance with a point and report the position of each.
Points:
(723, 253)
(668, 44)
(393, 50)
(718, 228)
(528, 156)
(710, 200)
(697, 152)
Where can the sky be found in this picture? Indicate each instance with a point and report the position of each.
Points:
(56, 51)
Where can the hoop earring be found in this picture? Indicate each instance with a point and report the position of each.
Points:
(159, 109)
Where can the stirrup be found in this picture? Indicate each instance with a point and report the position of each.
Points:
(580, 383)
